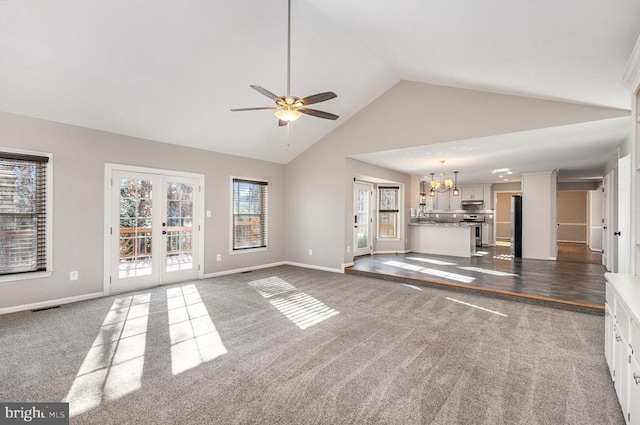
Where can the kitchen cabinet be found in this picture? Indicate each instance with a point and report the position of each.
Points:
(622, 341)
(472, 193)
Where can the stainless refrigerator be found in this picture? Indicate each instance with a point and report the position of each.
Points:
(516, 226)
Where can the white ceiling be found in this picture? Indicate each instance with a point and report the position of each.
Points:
(579, 151)
(170, 71)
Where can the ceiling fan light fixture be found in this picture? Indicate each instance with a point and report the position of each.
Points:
(288, 115)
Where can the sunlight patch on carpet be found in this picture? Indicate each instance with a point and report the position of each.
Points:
(299, 307)
(475, 306)
(194, 337)
(113, 366)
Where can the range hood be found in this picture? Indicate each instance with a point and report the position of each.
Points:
(472, 205)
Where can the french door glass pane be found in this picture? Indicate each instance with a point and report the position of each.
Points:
(136, 232)
(179, 226)
(363, 218)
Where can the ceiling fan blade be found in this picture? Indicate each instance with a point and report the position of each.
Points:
(254, 109)
(265, 92)
(282, 123)
(319, 114)
(317, 98)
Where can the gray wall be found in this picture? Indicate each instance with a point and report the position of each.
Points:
(310, 198)
(79, 155)
(319, 182)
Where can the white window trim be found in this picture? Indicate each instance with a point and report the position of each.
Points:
(266, 232)
(49, 223)
(400, 227)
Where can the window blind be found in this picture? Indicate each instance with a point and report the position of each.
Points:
(23, 209)
(388, 198)
(249, 214)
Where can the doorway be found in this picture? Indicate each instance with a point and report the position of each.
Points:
(363, 220)
(153, 227)
(503, 217)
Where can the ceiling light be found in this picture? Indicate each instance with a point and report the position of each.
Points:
(443, 184)
(500, 170)
(288, 115)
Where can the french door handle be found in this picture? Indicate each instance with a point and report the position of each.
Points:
(616, 233)
(164, 232)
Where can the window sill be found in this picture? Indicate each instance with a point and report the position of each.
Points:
(24, 276)
(388, 239)
(246, 251)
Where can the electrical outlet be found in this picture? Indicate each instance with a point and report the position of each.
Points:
(348, 248)
(73, 275)
(310, 252)
(219, 257)
(209, 216)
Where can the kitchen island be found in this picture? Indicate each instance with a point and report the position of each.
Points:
(456, 239)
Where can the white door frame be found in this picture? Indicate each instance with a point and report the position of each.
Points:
(109, 168)
(607, 223)
(624, 215)
(370, 224)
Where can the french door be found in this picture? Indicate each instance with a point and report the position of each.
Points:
(362, 232)
(154, 229)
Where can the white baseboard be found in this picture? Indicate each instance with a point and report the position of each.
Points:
(312, 266)
(392, 252)
(244, 269)
(345, 265)
(50, 303)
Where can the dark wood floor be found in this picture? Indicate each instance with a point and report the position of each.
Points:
(493, 270)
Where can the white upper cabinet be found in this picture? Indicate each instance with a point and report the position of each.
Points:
(472, 193)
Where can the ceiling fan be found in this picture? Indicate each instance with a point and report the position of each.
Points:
(289, 108)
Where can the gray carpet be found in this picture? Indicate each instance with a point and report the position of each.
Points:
(295, 346)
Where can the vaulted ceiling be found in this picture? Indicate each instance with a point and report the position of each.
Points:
(171, 71)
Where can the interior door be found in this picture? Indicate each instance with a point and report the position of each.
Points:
(362, 203)
(154, 230)
(624, 215)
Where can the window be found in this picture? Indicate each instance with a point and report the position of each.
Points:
(388, 212)
(23, 213)
(249, 214)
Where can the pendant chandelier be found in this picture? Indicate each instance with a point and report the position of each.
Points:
(443, 184)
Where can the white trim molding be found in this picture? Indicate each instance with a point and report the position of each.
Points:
(313, 266)
(50, 303)
(391, 252)
(280, 263)
(244, 269)
(632, 73)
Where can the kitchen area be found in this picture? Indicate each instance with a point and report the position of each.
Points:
(454, 221)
